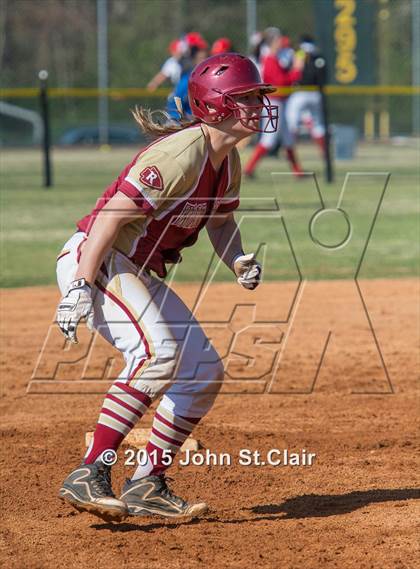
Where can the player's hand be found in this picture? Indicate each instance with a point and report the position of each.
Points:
(247, 270)
(75, 306)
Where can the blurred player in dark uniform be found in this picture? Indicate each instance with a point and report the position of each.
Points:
(314, 73)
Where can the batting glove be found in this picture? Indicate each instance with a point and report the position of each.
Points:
(248, 271)
(75, 306)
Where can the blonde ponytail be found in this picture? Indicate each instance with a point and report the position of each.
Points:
(165, 125)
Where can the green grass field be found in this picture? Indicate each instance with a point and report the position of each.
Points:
(36, 222)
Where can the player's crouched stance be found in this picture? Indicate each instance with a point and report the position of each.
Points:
(182, 182)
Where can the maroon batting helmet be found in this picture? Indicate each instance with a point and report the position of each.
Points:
(213, 84)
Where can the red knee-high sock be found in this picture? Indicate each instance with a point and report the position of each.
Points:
(292, 158)
(258, 153)
(122, 408)
(320, 140)
(169, 432)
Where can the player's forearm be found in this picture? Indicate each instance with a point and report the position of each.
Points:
(99, 242)
(226, 240)
(157, 81)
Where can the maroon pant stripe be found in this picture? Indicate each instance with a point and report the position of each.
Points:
(128, 313)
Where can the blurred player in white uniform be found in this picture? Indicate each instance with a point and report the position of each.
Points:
(196, 51)
(301, 103)
(172, 68)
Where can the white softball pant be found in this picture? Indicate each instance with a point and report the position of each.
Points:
(298, 103)
(164, 348)
(282, 134)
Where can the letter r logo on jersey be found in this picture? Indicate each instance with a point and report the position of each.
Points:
(151, 177)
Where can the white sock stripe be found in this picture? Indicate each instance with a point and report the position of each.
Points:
(90, 446)
(168, 431)
(132, 401)
(120, 410)
(127, 398)
(160, 443)
(113, 424)
(178, 421)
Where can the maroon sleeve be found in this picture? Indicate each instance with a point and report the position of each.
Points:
(130, 191)
(228, 207)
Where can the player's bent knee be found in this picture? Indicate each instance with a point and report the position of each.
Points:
(217, 372)
(162, 368)
(154, 379)
(214, 379)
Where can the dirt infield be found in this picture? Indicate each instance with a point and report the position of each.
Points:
(355, 507)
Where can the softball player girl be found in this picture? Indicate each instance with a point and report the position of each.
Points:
(110, 272)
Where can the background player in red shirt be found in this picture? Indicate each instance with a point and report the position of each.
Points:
(184, 181)
(280, 73)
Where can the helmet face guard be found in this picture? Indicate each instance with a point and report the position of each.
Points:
(258, 118)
